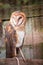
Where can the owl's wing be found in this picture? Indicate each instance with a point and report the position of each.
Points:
(10, 40)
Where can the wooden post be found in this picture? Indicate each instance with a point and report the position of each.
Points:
(1, 29)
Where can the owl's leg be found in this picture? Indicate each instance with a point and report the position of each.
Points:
(22, 54)
(16, 57)
(17, 61)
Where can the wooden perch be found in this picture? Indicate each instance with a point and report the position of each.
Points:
(13, 61)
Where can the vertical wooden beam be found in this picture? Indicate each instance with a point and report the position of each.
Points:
(1, 30)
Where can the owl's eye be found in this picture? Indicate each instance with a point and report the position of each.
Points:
(19, 18)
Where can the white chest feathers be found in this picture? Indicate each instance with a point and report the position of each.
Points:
(20, 38)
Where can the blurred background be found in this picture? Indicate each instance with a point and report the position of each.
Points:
(33, 42)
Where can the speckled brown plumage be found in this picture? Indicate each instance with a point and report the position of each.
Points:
(10, 39)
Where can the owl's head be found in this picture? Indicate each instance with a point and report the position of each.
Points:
(17, 18)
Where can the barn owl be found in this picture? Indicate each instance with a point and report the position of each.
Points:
(18, 20)
(15, 33)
